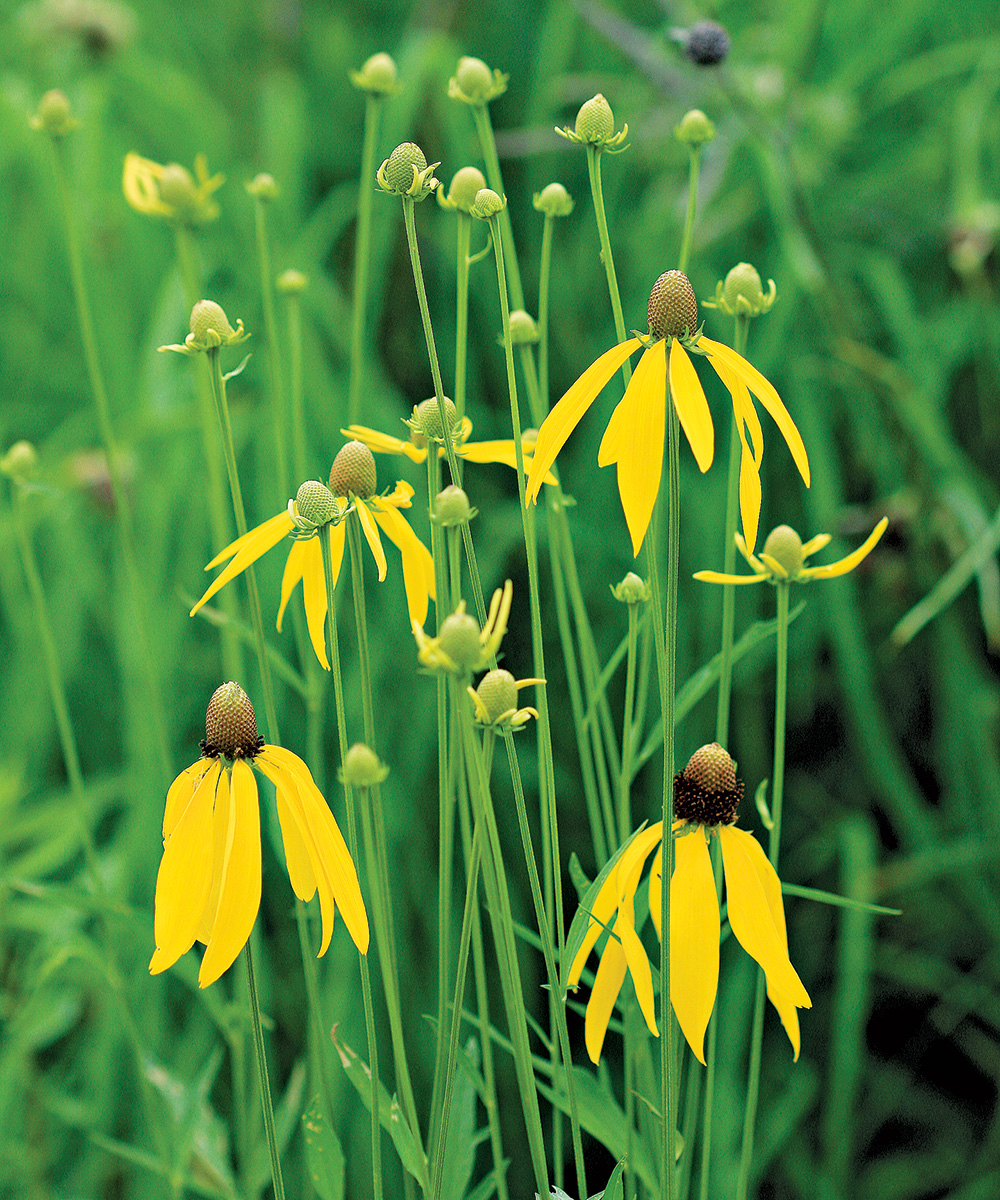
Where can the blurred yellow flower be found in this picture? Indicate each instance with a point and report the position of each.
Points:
(171, 191)
(209, 882)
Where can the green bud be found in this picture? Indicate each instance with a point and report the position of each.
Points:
(475, 84)
(673, 309)
(632, 590)
(595, 122)
(498, 692)
(353, 472)
(695, 129)
(523, 330)
(177, 188)
(400, 164)
(230, 723)
(292, 282)
(263, 187)
(553, 200)
(459, 639)
(20, 462)
(464, 187)
(452, 507)
(210, 325)
(54, 115)
(316, 502)
(426, 418)
(378, 75)
(487, 204)
(362, 768)
(785, 546)
(743, 294)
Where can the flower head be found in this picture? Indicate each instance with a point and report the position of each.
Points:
(171, 191)
(461, 647)
(475, 84)
(318, 511)
(406, 173)
(635, 434)
(783, 559)
(595, 127)
(209, 882)
(210, 329)
(553, 200)
(706, 797)
(378, 75)
(495, 700)
(465, 185)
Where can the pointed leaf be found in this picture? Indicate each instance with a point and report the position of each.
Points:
(324, 1155)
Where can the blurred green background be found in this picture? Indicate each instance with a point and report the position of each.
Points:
(857, 163)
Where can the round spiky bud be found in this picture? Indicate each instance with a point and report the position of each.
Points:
(400, 163)
(54, 115)
(316, 502)
(263, 187)
(230, 724)
(487, 204)
(595, 122)
(743, 282)
(353, 471)
(292, 282)
(207, 318)
(20, 461)
(707, 791)
(466, 184)
(459, 639)
(707, 43)
(362, 768)
(177, 187)
(426, 418)
(633, 589)
(378, 75)
(785, 546)
(475, 79)
(523, 329)
(672, 309)
(695, 129)
(452, 507)
(554, 201)
(498, 692)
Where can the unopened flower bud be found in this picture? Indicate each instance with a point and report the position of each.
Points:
(400, 165)
(353, 472)
(553, 200)
(263, 187)
(452, 507)
(316, 502)
(673, 308)
(498, 692)
(706, 43)
(177, 188)
(523, 330)
(426, 418)
(487, 204)
(459, 638)
(230, 723)
(633, 589)
(785, 546)
(475, 84)
(292, 282)
(209, 324)
(695, 129)
(707, 791)
(595, 122)
(464, 186)
(54, 115)
(378, 75)
(20, 461)
(362, 768)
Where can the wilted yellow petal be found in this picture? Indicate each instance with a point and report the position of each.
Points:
(691, 405)
(694, 939)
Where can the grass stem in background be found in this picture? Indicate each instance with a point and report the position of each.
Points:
(262, 1078)
(362, 254)
(263, 190)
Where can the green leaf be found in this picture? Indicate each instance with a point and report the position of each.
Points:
(324, 1156)
(390, 1115)
(616, 1187)
(793, 889)
(460, 1148)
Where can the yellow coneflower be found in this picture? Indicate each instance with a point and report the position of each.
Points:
(171, 191)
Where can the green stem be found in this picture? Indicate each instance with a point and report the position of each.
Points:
(273, 356)
(544, 274)
(488, 144)
(462, 309)
(783, 588)
(597, 192)
(299, 456)
(362, 254)
(708, 1099)
(265, 1087)
(374, 823)
(222, 411)
(123, 511)
(333, 655)
(692, 208)
(628, 734)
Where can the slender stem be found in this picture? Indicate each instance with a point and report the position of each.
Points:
(265, 1087)
(381, 891)
(299, 458)
(544, 273)
(333, 656)
(710, 1059)
(362, 254)
(462, 309)
(628, 733)
(692, 208)
(273, 355)
(487, 142)
(222, 411)
(783, 588)
(123, 511)
(597, 192)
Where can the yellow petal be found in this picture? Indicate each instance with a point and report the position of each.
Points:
(371, 536)
(745, 415)
(294, 566)
(691, 405)
(239, 893)
(607, 984)
(569, 411)
(401, 496)
(719, 577)
(418, 565)
(634, 440)
(694, 939)
(750, 496)
(384, 443)
(852, 560)
(314, 587)
(814, 545)
(766, 394)
(180, 792)
(267, 535)
(237, 546)
(751, 921)
(605, 903)
(220, 834)
(635, 954)
(184, 879)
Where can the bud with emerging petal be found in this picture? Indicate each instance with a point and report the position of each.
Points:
(466, 183)
(362, 767)
(475, 84)
(707, 791)
(210, 329)
(633, 589)
(695, 129)
(460, 639)
(784, 547)
(54, 115)
(742, 293)
(498, 692)
(487, 204)
(406, 173)
(316, 503)
(452, 507)
(595, 126)
(353, 472)
(177, 189)
(230, 724)
(553, 200)
(378, 75)
(673, 309)
(426, 419)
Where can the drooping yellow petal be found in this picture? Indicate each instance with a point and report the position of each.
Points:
(634, 440)
(569, 411)
(635, 954)
(751, 921)
(719, 577)
(603, 997)
(237, 546)
(691, 405)
(333, 854)
(418, 565)
(384, 443)
(184, 879)
(180, 792)
(314, 587)
(771, 885)
(294, 566)
(694, 939)
(239, 892)
(370, 530)
(765, 392)
(504, 452)
(814, 545)
(140, 183)
(604, 904)
(220, 836)
(851, 561)
(745, 417)
(267, 535)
